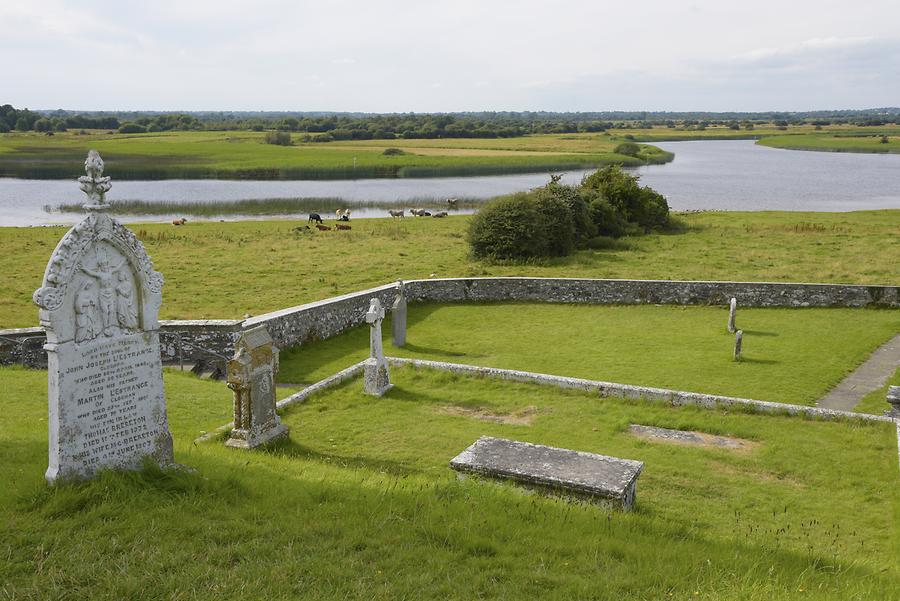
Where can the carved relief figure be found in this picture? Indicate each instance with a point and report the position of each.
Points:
(85, 303)
(126, 311)
(106, 293)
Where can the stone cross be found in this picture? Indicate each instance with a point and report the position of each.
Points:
(731, 315)
(251, 375)
(893, 398)
(398, 317)
(738, 343)
(377, 380)
(99, 303)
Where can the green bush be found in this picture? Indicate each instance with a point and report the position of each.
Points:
(642, 206)
(628, 149)
(556, 219)
(607, 221)
(132, 128)
(279, 138)
(392, 151)
(508, 227)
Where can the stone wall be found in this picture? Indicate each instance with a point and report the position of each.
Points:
(323, 319)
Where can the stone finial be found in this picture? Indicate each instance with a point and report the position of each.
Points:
(738, 343)
(732, 310)
(94, 184)
(893, 399)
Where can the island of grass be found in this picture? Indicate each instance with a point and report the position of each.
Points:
(360, 503)
(244, 155)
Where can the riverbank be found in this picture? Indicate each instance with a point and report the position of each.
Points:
(259, 266)
(886, 141)
(244, 155)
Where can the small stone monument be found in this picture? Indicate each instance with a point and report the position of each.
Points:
(251, 375)
(398, 317)
(738, 343)
(99, 304)
(732, 309)
(893, 398)
(377, 380)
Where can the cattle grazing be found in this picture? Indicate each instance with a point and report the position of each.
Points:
(314, 217)
(322, 228)
(339, 214)
(341, 226)
(300, 228)
(424, 214)
(451, 202)
(440, 214)
(396, 213)
(181, 221)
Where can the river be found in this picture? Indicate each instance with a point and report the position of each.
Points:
(710, 175)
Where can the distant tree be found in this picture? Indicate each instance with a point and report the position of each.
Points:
(279, 138)
(22, 124)
(628, 149)
(132, 128)
(884, 139)
(4, 128)
(43, 125)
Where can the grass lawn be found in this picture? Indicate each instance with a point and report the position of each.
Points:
(361, 504)
(243, 155)
(790, 355)
(256, 266)
(876, 401)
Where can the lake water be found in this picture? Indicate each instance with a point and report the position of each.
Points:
(721, 175)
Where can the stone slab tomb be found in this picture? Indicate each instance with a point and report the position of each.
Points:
(99, 304)
(607, 480)
(251, 375)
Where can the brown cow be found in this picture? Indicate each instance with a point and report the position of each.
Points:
(341, 226)
(181, 221)
(322, 228)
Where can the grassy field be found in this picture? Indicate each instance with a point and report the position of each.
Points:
(243, 155)
(860, 142)
(361, 504)
(256, 267)
(684, 348)
(875, 402)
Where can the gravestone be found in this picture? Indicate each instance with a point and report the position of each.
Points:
(608, 480)
(377, 380)
(251, 375)
(738, 344)
(893, 399)
(732, 310)
(99, 304)
(398, 317)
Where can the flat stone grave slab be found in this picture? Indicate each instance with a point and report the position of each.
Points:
(608, 480)
(690, 438)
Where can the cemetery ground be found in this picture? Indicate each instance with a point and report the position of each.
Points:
(259, 266)
(361, 503)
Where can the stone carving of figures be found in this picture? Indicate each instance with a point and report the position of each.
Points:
(126, 312)
(106, 290)
(85, 326)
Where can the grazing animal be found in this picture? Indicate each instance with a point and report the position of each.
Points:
(339, 214)
(417, 212)
(181, 221)
(314, 217)
(424, 214)
(300, 228)
(396, 213)
(440, 214)
(341, 226)
(451, 202)
(322, 228)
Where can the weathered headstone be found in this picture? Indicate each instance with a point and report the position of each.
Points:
(99, 304)
(377, 380)
(732, 310)
(609, 480)
(738, 343)
(398, 317)
(251, 375)
(893, 399)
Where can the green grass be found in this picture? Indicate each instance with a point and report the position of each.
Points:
(243, 155)
(360, 504)
(255, 267)
(876, 401)
(790, 355)
(861, 142)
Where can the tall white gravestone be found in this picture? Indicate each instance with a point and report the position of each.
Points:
(99, 304)
(376, 379)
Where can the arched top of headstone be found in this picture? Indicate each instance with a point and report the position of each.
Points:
(99, 274)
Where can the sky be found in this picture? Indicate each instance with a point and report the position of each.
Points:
(459, 55)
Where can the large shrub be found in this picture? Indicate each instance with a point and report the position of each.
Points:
(279, 138)
(556, 219)
(509, 227)
(642, 206)
(628, 149)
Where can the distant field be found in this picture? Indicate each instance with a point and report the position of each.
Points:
(243, 155)
(257, 266)
(721, 132)
(858, 142)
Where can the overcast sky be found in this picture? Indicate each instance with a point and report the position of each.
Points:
(453, 55)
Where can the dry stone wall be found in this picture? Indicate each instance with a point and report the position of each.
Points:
(327, 318)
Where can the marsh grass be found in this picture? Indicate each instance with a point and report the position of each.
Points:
(360, 504)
